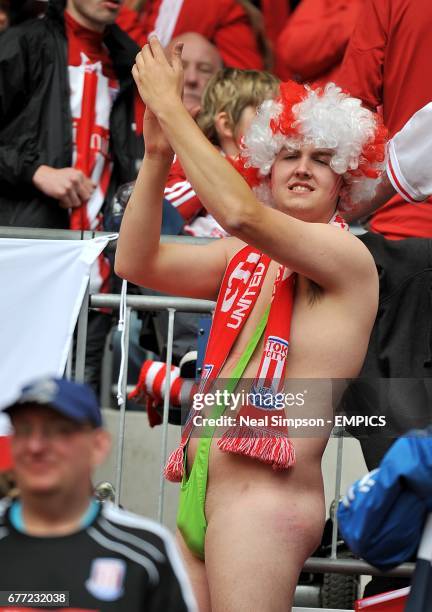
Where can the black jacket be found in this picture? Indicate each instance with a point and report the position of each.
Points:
(35, 120)
(396, 377)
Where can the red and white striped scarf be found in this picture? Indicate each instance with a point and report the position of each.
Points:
(93, 88)
(239, 292)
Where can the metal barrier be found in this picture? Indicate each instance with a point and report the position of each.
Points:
(144, 303)
(172, 305)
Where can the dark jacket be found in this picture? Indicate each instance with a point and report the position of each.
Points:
(396, 377)
(35, 120)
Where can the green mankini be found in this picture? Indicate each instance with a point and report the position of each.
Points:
(191, 519)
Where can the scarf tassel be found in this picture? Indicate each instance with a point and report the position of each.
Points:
(175, 465)
(269, 447)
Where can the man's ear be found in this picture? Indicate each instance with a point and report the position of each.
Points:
(101, 446)
(223, 126)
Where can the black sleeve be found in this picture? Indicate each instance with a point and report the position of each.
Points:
(19, 153)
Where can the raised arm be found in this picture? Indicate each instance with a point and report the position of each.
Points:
(312, 249)
(188, 270)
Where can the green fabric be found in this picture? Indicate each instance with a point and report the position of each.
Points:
(191, 519)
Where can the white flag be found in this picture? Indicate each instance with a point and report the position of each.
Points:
(43, 284)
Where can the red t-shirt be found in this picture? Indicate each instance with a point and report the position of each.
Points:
(223, 22)
(180, 193)
(388, 63)
(312, 44)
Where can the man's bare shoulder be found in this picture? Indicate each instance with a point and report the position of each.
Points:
(232, 246)
(353, 258)
(357, 283)
(358, 256)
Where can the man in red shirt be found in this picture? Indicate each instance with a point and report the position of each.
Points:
(223, 22)
(387, 64)
(312, 43)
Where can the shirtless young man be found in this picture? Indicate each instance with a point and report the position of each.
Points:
(261, 524)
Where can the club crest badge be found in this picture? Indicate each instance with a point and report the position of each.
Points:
(106, 580)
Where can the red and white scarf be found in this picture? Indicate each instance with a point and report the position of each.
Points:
(241, 286)
(93, 89)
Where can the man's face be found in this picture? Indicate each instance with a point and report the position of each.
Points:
(201, 61)
(304, 185)
(53, 454)
(94, 14)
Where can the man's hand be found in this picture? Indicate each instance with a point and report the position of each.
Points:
(69, 186)
(159, 81)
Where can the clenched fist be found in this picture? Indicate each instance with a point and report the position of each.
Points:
(69, 186)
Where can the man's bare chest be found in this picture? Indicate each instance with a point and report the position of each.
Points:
(317, 340)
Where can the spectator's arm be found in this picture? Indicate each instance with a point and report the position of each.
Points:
(382, 515)
(21, 160)
(409, 164)
(19, 156)
(315, 37)
(235, 37)
(361, 73)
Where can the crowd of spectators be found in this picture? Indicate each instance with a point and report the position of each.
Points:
(71, 130)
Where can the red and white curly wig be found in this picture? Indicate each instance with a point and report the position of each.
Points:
(324, 118)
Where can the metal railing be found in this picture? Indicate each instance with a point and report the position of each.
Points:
(145, 303)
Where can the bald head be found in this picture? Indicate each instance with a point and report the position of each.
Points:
(201, 60)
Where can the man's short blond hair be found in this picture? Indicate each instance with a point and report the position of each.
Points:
(231, 90)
